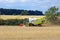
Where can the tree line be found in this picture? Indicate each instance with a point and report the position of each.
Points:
(19, 12)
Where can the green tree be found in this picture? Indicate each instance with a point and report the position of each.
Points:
(51, 14)
(24, 13)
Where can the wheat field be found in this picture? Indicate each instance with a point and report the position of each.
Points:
(5, 17)
(29, 33)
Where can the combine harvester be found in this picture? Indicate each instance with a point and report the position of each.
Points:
(34, 21)
(37, 21)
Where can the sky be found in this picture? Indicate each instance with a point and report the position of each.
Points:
(41, 5)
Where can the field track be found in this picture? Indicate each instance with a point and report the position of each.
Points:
(29, 33)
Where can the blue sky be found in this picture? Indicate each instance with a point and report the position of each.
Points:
(41, 5)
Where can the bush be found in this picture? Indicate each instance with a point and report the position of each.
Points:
(11, 22)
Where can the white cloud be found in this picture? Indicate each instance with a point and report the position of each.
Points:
(10, 1)
(1, 0)
(42, 1)
(23, 1)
